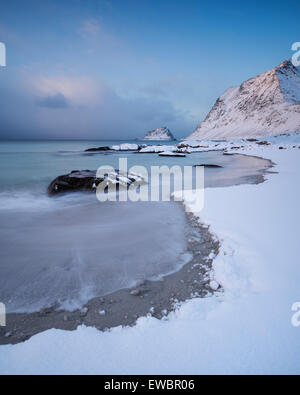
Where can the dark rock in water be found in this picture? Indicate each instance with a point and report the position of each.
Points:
(252, 140)
(75, 181)
(86, 180)
(182, 145)
(263, 143)
(210, 166)
(105, 148)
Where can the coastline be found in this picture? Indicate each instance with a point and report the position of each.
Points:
(255, 296)
(156, 298)
(149, 298)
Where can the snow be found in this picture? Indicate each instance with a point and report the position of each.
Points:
(245, 329)
(149, 149)
(286, 140)
(289, 83)
(125, 147)
(262, 106)
(214, 285)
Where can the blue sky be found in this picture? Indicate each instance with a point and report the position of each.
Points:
(117, 68)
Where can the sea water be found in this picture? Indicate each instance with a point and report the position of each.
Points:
(65, 250)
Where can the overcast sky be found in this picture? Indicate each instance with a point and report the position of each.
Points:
(114, 69)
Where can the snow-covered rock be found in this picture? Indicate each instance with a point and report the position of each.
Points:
(125, 147)
(88, 180)
(156, 149)
(262, 106)
(214, 285)
(162, 133)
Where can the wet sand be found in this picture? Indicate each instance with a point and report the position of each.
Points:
(123, 307)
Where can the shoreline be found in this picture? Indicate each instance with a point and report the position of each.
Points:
(125, 306)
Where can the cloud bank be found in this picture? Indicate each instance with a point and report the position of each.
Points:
(94, 86)
(80, 107)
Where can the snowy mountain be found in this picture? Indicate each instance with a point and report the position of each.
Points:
(262, 106)
(162, 133)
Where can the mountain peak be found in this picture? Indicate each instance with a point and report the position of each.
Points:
(162, 133)
(261, 106)
(286, 64)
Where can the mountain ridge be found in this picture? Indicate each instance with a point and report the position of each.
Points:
(265, 105)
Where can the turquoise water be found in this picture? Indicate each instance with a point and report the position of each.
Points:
(32, 165)
(37, 162)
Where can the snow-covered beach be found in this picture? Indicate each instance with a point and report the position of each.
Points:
(80, 256)
(149, 190)
(245, 329)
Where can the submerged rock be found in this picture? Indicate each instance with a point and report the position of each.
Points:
(212, 166)
(121, 147)
(169, 153)
(263, 143)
